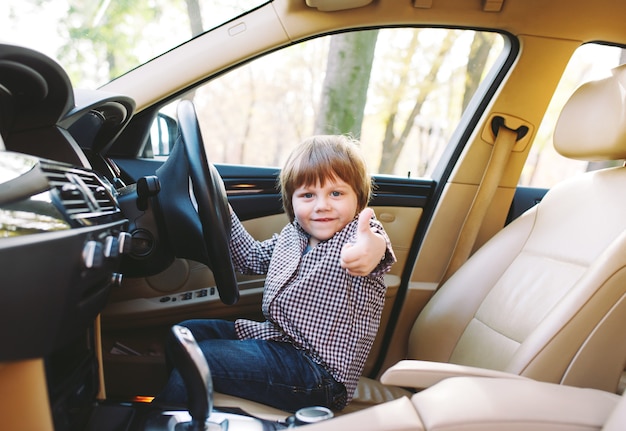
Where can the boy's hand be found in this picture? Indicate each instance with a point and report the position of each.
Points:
(363, 255)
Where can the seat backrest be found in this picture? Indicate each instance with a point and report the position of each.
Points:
(545, 298)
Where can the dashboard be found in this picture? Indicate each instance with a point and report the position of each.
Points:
(61, 238)
(63, 233)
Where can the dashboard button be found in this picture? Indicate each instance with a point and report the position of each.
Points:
(93, 256)
(111, 247)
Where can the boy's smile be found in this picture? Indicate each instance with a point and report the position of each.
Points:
(322, 211)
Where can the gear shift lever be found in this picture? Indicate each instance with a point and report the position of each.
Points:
(194, 370)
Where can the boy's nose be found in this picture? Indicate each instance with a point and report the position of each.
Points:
(321, 204)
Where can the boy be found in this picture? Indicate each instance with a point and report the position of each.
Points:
(324, 289)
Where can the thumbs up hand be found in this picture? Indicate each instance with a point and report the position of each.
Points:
(363, 255)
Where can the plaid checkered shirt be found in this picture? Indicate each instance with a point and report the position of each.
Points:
(310, 301)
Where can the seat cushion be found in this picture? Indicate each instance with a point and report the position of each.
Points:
(252, 408)
(369, 392)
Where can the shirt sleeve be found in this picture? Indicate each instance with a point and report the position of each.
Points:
(249, 256)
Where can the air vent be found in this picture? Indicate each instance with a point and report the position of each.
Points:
(83, 193)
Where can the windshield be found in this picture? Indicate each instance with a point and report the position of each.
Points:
(98, 40)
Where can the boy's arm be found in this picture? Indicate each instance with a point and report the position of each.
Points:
(249, 256)
(362, 256)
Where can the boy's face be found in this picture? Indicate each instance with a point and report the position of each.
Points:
(324, 211)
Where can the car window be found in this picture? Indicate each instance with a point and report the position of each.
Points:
(401, 91)
(545, 167)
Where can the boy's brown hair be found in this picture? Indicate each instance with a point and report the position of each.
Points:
(324, 157)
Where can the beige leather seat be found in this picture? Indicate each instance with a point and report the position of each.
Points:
(544, 299)
(479, 404)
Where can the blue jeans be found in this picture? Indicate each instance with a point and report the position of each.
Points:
(268, 372)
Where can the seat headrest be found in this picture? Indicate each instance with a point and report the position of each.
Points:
(592, 124)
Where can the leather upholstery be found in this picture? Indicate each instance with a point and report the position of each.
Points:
(479, 403)
(590, 130)
(545, 297)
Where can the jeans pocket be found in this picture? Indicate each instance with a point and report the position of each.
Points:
(317, 372)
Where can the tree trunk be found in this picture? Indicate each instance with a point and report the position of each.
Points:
(479, 52)
(344, 92)
(195, 23)
(195, 17)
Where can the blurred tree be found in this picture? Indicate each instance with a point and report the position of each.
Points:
(403, 92)
(476, 64)
(394, 142)
(344, 92)
(195, 25)
(107, 38)
(195, 17)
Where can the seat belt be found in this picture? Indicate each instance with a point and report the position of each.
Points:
(500, 153)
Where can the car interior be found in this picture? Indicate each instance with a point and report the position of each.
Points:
(504, 310)
(557, 282)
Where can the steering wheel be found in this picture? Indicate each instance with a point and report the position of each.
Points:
(197, 220)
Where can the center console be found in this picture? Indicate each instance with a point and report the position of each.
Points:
(62, 236)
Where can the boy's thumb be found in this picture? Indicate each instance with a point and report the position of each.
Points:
(364, 220)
